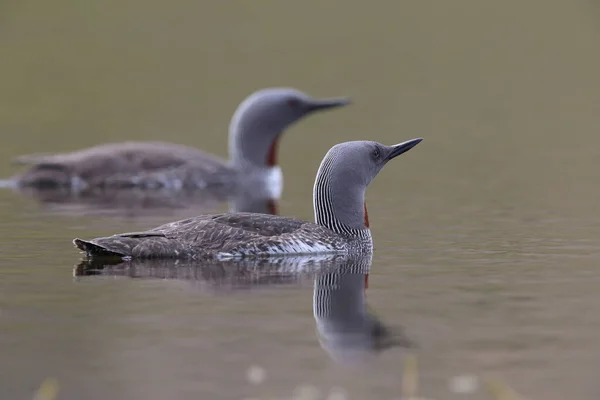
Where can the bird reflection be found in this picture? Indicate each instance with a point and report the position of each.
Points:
(346, 330)
(134, 202)
(223, 275)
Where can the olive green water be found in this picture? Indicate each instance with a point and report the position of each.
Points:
(487, 233)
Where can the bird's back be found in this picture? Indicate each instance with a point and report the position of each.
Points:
(220, 236)
(152, 164)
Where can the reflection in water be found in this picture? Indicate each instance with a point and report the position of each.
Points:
(138, 202)
(346, 330)
(221, 274)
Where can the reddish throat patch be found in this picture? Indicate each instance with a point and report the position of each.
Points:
(272, 154)
(366, 215)
(272, 207)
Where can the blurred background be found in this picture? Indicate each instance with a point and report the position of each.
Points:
(486, 234)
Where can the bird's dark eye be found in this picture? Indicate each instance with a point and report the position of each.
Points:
(376, 153)
(293, 103)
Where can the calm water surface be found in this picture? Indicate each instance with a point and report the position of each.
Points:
(487, 234)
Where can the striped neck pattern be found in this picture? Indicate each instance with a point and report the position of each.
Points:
(327, 212)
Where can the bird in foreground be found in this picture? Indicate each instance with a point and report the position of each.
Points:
(254, 131)
(341, 218)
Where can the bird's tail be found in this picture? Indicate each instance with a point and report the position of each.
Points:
(96, 250)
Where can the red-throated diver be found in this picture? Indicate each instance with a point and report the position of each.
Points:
(342, 224)
(254, 130)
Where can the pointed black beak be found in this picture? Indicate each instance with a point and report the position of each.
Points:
(403, 147)
(326, 104)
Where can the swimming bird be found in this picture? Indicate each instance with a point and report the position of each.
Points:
(341, 218)
(254, 131)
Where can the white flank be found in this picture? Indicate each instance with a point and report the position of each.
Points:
(294, 246)
(274, 182)
(298, 246)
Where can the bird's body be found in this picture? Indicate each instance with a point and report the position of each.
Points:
(229, 235)
(254, 131)
(126, 165)
(341, 220)
(114, 178)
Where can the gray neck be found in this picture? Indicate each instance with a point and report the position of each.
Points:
(338, 201)
(253, 141)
